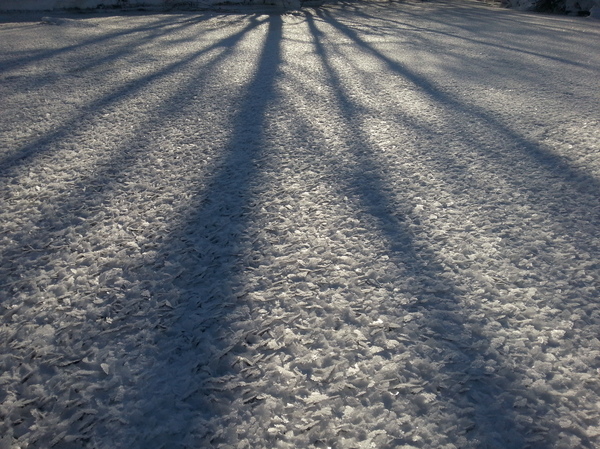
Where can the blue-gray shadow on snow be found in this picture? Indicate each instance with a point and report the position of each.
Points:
(31, 254)
(12, 161)
(559, 172)
(93, 188)
(578, 185)
(483, 403)
(166, 24)
(541, 155)
(201, 340)
(471, 29)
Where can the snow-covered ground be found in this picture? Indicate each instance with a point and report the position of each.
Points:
(360, 226)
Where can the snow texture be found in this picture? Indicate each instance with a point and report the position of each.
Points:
(369, 225)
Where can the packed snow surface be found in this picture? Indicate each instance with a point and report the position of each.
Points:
(369, 225)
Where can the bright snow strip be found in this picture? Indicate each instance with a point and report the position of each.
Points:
(359, 226)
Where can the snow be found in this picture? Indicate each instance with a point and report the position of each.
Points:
(146, 5)
(363, 225)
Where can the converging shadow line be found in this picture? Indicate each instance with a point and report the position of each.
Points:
(554, 163)
(368, 186)
(11, 162)
(233, 182)
(158, 29)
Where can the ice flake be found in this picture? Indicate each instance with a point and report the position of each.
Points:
(106, 368)
(315, 397)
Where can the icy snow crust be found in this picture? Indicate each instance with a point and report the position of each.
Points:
(363, 226)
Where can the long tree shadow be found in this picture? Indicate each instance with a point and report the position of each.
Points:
(515, 158)
(581, 183)
(162, 26)
(475, 31)
(483, 399)
(43, 248)
(105, 176)
(565, 193)
(211, 250)
(45, 144)
(192, 328)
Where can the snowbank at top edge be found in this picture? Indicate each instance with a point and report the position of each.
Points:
(48, 5)
(567, 6)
